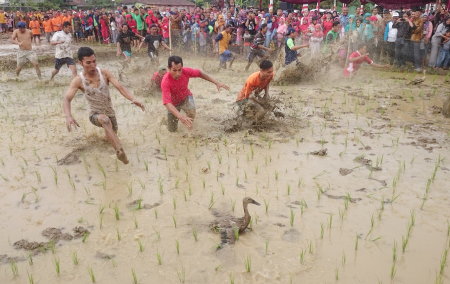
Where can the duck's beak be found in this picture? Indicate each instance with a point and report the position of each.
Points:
(256, 203)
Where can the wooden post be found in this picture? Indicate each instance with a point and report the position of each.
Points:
(170, 38)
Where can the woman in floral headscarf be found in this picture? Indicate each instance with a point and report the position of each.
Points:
(281, 31)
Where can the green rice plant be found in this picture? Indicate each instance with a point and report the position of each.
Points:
(74, 256)
(291, 218)
(30, 278)
(393, 270)
(133, 273)
(119, 237)
(438, 279)
(116, 211)
(248, 263)
(160, 187)
(222, 188)
(130, 187)
(322, 230)
(30, 258)
(413, 218)
(336, 273)
(141, 245)
(101, 169)
(233, 204)
(448, 225)
(158, 258)
(232, 277)
(52, 246)
(14, 269)
(425, 197)
(146, 165)
(236, 233)
(394, 198)
(135, 221)
(404, 242)
(141, 183)
(288, 189)
(57, 266)
(237, 181)
(302, 256)
(72, 184)
(174, 221)
(267, 246)
(331, 220)
(356, 242)
(443, 261)
(276, 175)
(101, 207)
(194, 233)
(55, 174)
(344, 258)
(174, 201)
(91, 273)
(341, 214)
(237, 162)
(38, 176)
(300, 182)
(85, 237)
(266, 204)
(156, 213)
(394, 252)
(211, 201)
(165, 151)
(182, 274)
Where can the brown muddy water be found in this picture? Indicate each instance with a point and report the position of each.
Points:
(379, 179)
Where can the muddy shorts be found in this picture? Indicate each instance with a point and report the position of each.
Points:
(24, 55)
(226, 56)
(187, 105)
(59, 62)
(255, 52)
(94, 120)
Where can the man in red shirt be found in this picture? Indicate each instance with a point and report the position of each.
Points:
(155, 82)
(357, 58)
(176, 95)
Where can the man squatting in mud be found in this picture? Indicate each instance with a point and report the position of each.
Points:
(94, 83)
(255, 83)
(175, 93)
(22, 37)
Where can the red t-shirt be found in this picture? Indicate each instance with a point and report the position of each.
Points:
(354, 66)
(327, 26)
(175, 91)
(157, 79)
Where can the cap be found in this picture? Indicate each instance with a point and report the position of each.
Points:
(21, 25)
(162, 67)
(290, 31)
(395, 14)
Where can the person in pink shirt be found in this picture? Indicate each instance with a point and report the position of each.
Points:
(175, 93)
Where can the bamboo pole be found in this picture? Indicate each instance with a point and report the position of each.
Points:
(170, 37)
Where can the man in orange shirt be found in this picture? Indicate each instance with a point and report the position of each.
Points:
(35, 28)
(56, 23)
(255, 84)
(48, 28)
(66, 17)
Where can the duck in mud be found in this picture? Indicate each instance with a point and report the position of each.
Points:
(228, 224)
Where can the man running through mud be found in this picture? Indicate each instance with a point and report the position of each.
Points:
(23, 37)
(257, 47)
(359, 57)
(124, 40)
(153, 41)
(255, 106)
(176, 95)
(63, 53)
(224, 40)
(94, 83)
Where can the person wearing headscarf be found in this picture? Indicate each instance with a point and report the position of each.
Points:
(220, 24)
(327, 23)
(119, 20)
(351, 32)
(281, 31)
(304, 24)
(316, 39)
(104, 23)
(269, 23)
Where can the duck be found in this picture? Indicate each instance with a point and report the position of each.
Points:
(227, 224)
(418, 81)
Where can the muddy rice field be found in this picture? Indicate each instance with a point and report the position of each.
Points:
(353, 183)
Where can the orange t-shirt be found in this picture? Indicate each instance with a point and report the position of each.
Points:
(66, 19)
(47, 26)
(57, 24)
(35, 27)
(253, 84)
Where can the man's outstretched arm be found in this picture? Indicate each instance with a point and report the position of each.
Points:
(217, 83)
(70, 94)
(123, 90)
(183, 118)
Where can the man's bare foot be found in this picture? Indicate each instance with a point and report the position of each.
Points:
(121, 156)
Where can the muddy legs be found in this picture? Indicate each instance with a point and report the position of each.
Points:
(112, 137)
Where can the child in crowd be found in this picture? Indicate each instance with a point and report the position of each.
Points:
(202, 36)
(316, 39)
(445, 53)
(247, 42)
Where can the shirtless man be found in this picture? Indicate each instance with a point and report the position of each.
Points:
(94, 83)
(23, 37)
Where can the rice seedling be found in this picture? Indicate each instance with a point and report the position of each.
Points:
(443, 261)
(52, 246)
(119, 237)
(344, 258)
(322, 230)
(91, 273)
(174, 201)
(393, 270)
(99, 166)
(156, 213)
(211, 201)
(30, 258)
(336, 273)
(56, 262)
(276, 175)
(356, 242)
(248, 263)
(448, 228)
(267, 246)
(394, 252)
(55, 174)
(413, 218)
(85, 237)
(425, 197)
(165, 151)
(141, 245)
(341, 214)
(291, 218)
(174, 221)
(331, 220)
(14, 269)
(232, 277)
(236, 233)
(160, 187)
(204, 183)
(158, 258)
(38, 176)
(30, 278)
(194, 233)
(74, 256)
(405, 242)
(302, 256)
(101, 207)
(266, 204)
(116, 211)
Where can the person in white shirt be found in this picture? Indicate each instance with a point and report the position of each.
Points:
(390, 36)
(63, 54)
